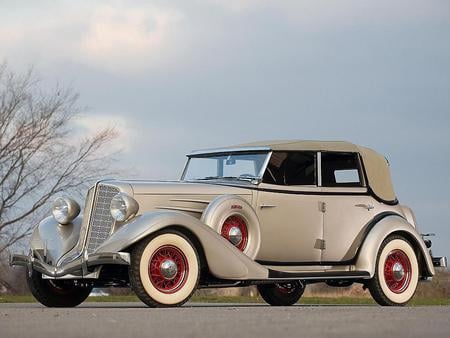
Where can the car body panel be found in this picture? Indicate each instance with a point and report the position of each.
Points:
(51, 240)
(296, 234)
(345, 219)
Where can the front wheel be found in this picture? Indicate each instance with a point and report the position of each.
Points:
(165, 269)
(56, 293)
(396, 273)
(281, 294)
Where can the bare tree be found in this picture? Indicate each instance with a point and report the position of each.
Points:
(39, 155)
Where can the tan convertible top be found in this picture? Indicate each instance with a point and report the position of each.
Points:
(376, 165)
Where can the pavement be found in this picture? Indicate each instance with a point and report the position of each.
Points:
(222, 320)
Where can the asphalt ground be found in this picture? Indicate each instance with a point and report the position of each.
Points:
(222, 320)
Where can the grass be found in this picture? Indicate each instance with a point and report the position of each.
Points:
(242, 299)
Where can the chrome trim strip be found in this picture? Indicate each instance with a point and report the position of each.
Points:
(180, 209)
(189, 200)
(265, 164)
(185, 168)
(319, 169)
(88, 221)
(226, 150)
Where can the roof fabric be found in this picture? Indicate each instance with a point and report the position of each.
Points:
(375, 164)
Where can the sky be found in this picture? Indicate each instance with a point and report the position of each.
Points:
(172, 76)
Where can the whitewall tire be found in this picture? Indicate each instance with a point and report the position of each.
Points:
(396, 274)
(165, 269)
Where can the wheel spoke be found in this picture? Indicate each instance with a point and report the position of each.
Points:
(397, 271)
(168, 269)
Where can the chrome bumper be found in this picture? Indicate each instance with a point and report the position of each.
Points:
(440, 262)
(79, 264)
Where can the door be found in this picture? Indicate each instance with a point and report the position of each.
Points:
(348, 206)
(291, 225)
(288, 209)
(345, 218)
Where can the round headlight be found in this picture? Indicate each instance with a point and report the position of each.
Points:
(65, 210)
(123, 207)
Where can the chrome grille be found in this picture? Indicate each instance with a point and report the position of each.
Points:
(101, 221)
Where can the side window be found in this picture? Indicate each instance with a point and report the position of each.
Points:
(291, 168)
(341, 169)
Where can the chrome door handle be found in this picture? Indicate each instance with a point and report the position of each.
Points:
(262, 206)
(365, 206)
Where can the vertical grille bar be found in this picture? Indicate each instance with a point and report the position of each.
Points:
(101, 221)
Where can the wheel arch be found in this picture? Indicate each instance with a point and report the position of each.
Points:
(421, 259)
(390, 225)
(204, 267)
(221, 258)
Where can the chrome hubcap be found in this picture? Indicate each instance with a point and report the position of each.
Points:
(235, 235)
(398, 271)
(169, 269)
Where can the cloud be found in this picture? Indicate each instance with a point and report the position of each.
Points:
(132, 37)
(88, 125)
(112, 37)
(126, 38)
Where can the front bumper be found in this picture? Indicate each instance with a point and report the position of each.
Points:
(439, 262)
(80, 264)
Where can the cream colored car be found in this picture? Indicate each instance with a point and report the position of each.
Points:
(279, 215)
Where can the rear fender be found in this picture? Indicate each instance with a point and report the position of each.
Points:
(390, 225)
(223, 259)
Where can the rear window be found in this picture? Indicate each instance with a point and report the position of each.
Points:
(291, 168)
(341, 169)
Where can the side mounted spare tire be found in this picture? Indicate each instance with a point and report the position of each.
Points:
(234, 218)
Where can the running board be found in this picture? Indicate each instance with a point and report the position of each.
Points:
(275, 274)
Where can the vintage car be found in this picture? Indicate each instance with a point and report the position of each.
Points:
(279, 215)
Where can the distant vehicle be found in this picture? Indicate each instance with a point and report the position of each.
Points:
(279, 215)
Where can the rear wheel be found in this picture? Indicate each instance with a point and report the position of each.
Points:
(165, 269)
(56, 293)
(396, 273)
(281, 294)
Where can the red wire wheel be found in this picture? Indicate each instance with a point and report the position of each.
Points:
(286, 288)
(235, 230)
(168, 269)
(397, 271)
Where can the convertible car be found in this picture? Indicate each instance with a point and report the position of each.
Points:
(278, 214)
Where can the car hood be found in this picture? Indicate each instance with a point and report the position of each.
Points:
(189, 197)
(180, 187)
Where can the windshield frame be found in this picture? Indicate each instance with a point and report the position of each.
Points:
(256, 150)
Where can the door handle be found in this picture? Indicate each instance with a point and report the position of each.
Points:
(365, 206)
(262, 206)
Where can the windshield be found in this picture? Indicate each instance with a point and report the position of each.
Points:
(238, 165)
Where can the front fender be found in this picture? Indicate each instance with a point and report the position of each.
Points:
(224, 260)
(367, 256)
(53, 240)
